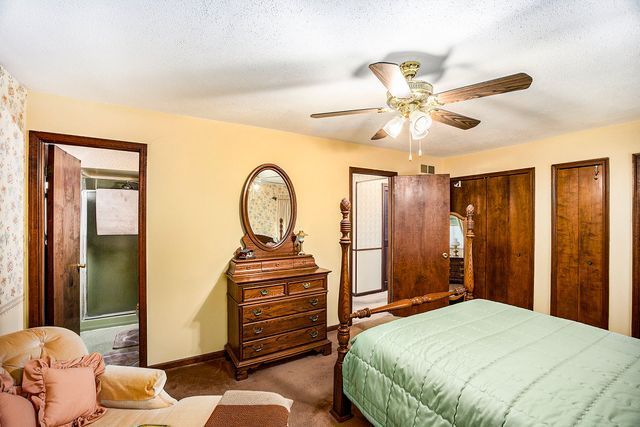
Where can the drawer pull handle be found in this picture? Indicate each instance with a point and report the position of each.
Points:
(313, 301)
(264, 292)
(313, 334)
(258, 348)
(257, 312)
(314, 318)
(257, 331)
(306, 285)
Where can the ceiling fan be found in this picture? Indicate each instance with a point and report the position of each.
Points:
(415, 101)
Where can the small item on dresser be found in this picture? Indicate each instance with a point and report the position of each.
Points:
(245, 254)
(299, 241)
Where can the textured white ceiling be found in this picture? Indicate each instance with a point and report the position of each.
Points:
(272, 63)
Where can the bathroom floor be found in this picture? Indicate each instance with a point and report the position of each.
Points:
(102, 341)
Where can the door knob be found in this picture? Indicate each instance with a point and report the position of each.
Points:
(79, 266)
(445, 255)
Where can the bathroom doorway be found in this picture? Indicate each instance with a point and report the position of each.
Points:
(87, 267)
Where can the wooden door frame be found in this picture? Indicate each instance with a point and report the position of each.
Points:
(532, 190)
(635, 243)
(361, 171)
(554, 259)
(36, 228)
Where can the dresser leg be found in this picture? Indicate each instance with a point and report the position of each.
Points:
(242, 374)
(326, 350)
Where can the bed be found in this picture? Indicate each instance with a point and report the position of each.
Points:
(482, 363)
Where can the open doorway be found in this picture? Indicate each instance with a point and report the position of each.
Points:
(370, 248)
(87, 267)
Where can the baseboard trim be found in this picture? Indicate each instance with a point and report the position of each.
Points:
(189, 360)
(332, 328)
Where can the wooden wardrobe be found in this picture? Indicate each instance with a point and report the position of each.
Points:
(503, 248)
(580, 242)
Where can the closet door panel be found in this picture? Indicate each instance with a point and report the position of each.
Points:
(498, 267)
(591, 250)
(567, 245)
(580, 269)
(474, 192)
(520, 238)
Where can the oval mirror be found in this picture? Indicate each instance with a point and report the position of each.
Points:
(268, 207)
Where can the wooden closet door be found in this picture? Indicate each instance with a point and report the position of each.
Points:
(580, 242)
(503, 247)
(463, 193)
(419, 234)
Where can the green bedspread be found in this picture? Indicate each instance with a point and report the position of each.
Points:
(482, 363)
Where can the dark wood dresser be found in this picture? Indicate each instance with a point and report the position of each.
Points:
(276, 309)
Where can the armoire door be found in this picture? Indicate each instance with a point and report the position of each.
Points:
(419, 238)
(580, 242)
(504, 229)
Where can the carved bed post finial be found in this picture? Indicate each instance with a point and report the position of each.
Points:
(468, 254)
(341, 409)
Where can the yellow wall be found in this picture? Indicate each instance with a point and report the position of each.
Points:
(618, 143)
(196, 169)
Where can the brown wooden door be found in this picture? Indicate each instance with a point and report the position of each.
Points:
(635, 244)
(63, 240)
(504, 229)
(580, 242)
(509, 240)
(419, 234)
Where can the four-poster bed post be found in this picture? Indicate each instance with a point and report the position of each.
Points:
(341, 409)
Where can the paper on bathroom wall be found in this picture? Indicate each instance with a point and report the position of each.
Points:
(116, 212)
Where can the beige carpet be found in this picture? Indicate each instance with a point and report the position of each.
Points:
(308, 380)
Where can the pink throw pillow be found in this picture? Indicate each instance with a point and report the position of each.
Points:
(16, 411)
(65, 392)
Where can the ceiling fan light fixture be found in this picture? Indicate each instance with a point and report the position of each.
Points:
(394, 126)
(420, 124)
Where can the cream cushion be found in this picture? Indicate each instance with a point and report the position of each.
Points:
(190, 411)
(134, 388)
(19, 347)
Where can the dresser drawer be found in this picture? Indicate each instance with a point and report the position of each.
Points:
(267, 291)
(283, 341)
(284, 264)
(253, 313)
(304, 262)
(305, 286)
(248, 268)
(267, 328)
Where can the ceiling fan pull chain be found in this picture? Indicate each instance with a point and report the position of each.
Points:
(410, 141)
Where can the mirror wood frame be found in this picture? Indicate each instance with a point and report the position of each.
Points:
(244, 212)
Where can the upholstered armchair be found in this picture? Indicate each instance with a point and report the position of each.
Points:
(133, 396)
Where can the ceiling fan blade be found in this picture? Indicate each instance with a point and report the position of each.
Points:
(454, 119)
(492, 87)
(379, 135)
(349, 112)
(392, 78)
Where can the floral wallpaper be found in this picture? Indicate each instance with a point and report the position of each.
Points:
(12, 142)
(263, 209)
